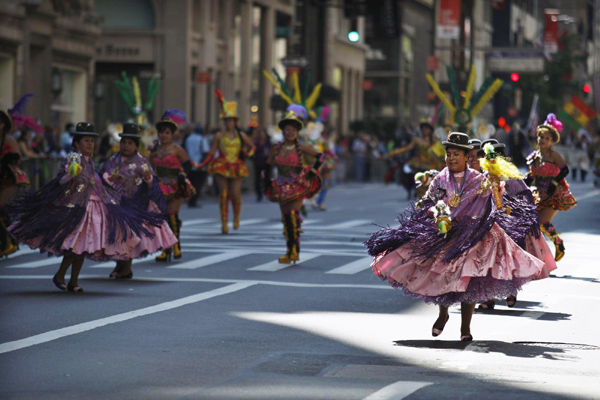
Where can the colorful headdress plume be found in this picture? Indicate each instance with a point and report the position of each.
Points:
(132, 96)
(18, 119)
(300, 97)
(553, 125)
(228, 108)
(471, 105)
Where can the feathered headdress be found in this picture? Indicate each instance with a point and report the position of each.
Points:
(132, 96)
(172, 118)
(18, 119)
(472, 105)
(553, 125)
(300, 97)
(228, 108)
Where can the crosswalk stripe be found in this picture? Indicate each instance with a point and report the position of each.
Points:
(279, 225)
(21, 252)
(210, 260)
(245, 222)
(276, 265)
(198, 221)
(36, 264)
(348, 224)
(352, 267)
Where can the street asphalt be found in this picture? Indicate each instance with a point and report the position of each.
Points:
(227, 321)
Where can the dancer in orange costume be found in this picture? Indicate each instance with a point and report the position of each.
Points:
(229, 167)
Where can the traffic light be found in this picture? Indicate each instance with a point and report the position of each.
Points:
(353, 34)
(501, 122)
(586, 88)
(514, 77)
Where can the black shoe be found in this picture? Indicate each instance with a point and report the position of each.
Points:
(75, 289)
(128, 276)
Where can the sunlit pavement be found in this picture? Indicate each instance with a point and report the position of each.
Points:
(228, 322)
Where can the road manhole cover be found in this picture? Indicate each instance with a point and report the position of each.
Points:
(563, 346)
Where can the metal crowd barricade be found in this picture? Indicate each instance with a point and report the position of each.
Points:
(40, 170)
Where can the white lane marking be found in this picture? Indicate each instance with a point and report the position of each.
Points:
(245, 222)
(189, 222)
(280, 225)
(353, 267)
(87, 326)
(40, 263)
(588, 195)
(346, 225)
(398, 390)
(210, 280)
(277, 266)
(21, 252)
(210, 260)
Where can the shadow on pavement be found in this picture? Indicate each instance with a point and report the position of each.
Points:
(534, 314)
(548, 350)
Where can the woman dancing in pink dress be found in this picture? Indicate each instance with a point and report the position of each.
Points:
(451, 249)
(77, 216)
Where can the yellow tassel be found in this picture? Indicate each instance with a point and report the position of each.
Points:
(499, 166)
(296, 83)
(440, 94)
(277, 86)
(470, 87)
(312, 99)
(487, 96)
(137, 92)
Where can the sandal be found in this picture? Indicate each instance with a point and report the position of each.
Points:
(75, 289)
(437, 332)
(511, 301)
(466, 338)
(57, 283)
(488, 305)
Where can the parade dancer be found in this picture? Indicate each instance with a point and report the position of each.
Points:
(294, 182)
(429, 153)
(547, 173)
(451, 249)
(507, 185)
(76, 216)
(11, 179)
(133, 177)
(171, 163)
(229, 167)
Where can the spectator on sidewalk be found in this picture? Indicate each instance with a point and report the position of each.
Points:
(196, 146)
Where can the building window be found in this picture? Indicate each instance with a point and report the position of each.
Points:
(70, 99)
(7, 79)
(130, 14)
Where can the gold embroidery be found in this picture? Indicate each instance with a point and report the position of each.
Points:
(68, 191)
(80, 188)
(131, 166)
(112, 201)
(138, 181)
(92, 181)
(70, 205)
(485, 185)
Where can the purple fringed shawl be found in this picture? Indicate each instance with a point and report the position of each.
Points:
(133, 185)
(58, 207)
(472, 220)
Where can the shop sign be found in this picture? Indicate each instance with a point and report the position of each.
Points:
(448, 23)
(551, 31)
(516, 61)
(433, 63)
(125, 49)
(203, 77)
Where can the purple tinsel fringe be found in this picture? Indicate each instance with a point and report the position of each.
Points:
(478, 290)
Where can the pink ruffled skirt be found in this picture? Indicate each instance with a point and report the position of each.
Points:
(494, 267)
(163, 238)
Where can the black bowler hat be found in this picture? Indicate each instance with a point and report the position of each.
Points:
(476, 143)
(131, 131)
(458, 139)
(498, 147)
(85, 129)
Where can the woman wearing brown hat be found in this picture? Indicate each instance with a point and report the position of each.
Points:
(295, 181)
(131, 174)
(451, 249)
(171, 163)
(76, 216)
